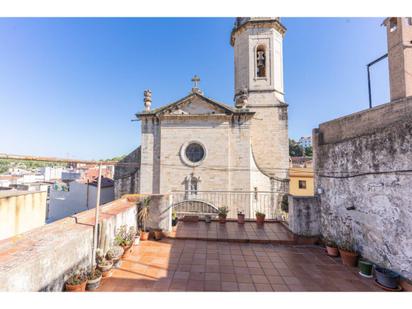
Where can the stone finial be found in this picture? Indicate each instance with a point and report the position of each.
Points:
(241, 98)
(147, 99)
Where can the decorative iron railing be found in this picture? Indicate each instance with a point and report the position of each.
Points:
(208, 202)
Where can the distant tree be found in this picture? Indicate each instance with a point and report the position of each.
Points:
(309, 151)
(294, 149)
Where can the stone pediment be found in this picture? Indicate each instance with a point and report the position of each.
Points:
(194, 104)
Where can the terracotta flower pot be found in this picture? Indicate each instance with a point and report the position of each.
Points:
(222, 218)
(332, 251)
(144, 235)
(349, 258)
(107, 274)
(93, 284)
(76, 288)
(127, 251)
(158, 234)
(132, 199)
(241, 218)
(406, 285)
(260, 219)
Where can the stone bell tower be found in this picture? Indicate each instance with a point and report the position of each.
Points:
(399, 34)
(257, 43)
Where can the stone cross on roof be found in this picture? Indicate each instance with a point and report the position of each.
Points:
(196, 81)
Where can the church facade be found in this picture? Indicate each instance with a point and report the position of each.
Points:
(197, 144)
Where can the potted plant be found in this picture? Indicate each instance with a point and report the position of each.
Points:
(93, 279)
(348, 254)
(174, 218)
(284, 204)
(208, 218)
(143, 216)
(124, 238)
(222, 212)
(331, 248)
(77, 281)
(104, 265)
(158, 234)
(260, 217)
(114, 254)
(137, 238)
(365, 268)
(240, 217)
(387, 278)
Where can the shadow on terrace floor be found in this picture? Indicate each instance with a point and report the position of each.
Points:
(196, 265)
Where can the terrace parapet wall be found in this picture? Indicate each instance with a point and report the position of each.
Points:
(42, 259)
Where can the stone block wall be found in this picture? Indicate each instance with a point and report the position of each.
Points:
(304, 215)
(363, 169)
(127, 177)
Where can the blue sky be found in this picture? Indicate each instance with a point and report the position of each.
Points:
(70, 87)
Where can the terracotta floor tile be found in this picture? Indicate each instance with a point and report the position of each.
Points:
(262, 287)
(195, 285)
(230, 286)
(256, 271)
(197, 276)
(212, 276)
(260, 279)
(291, 280)
(244, 278)
(275, 280)
(246, 287)
(212, 268)
(228, 278)
(213, 286)
(181, 275)
(280, 287)
(252, 264)
(180, 265)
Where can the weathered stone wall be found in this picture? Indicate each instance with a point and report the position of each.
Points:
(127, 177)
(304, 215)
(363, 165)
(42, 259)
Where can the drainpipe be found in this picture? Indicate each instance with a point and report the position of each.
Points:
(369, 76)
(96, 220)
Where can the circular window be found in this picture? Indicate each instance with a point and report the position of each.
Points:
(193, 153)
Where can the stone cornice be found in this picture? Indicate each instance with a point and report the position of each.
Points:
(257, 23)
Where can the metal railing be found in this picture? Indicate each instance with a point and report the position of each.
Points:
(208, 202)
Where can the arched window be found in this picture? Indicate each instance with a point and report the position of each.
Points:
(393, 24)
(409, 21)
(260, 61)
